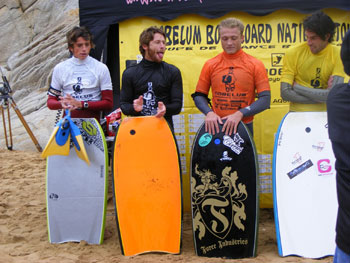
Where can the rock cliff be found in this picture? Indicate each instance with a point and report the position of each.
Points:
(32, 43)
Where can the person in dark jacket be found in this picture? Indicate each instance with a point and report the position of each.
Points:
(338, 112)
(152, 87)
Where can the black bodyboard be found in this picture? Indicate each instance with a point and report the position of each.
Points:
(224, 194)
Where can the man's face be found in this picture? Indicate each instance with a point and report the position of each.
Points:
(81, 48)
(315, 43)
(155, 49)
(231, 39)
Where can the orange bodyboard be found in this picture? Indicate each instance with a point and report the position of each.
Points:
(147, 186)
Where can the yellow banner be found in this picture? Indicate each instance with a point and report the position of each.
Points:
(192, 40)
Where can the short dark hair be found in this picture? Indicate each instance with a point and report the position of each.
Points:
(321, 24)
(75, 33)
(147, 36)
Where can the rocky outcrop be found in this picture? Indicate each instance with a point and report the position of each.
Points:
(32, 43)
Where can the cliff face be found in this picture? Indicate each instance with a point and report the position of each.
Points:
(32, 43)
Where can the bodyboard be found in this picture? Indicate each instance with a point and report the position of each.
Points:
(304, 186)
(147, 186)
(224, 194)
(76, 192)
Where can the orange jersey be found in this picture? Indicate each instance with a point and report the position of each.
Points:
(235, 80)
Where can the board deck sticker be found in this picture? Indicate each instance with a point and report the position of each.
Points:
(147, 186)
(304, 186)
(77, 192)
(224, 194)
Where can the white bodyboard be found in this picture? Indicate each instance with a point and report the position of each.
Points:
(304, 183)
(76, 192)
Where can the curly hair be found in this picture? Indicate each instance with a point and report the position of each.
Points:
(75, 33)
(147, 36)
(321, 24)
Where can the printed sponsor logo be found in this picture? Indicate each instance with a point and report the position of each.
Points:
(149, 101)
(319, 147)
(279, 138)
(78, 87)
(205, 139)
(324, 166)
(276, 59)
(53, 196)
(225, 157)
(219, 200)
(297, 158)
(234, 143)
(89, 128)
(301, 168)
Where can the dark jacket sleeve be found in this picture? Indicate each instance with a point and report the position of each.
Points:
(176, 93)
(127, 95)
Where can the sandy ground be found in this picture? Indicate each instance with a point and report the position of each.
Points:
(23, 227)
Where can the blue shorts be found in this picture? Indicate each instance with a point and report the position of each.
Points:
(340, 256)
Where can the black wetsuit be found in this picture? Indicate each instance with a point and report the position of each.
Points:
(155, 82)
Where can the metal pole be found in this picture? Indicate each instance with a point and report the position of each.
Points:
(9, 147)
(29, 131)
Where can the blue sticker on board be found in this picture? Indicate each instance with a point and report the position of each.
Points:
(205, 139)
(217, 141)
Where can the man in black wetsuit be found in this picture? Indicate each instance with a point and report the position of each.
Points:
(338, 108)
(152, 87)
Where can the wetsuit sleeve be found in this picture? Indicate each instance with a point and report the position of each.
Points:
(53, 103)
(175, 105)
(127, 95)
(261, 104)
(288, 93)
(106, 102)
(201, 100)
(55, 90)
(318, 95)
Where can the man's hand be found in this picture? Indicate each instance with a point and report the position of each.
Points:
(330, 82)
(212, 121)
(232, 122)
(160, 110)
(138, 104)
(69, 103)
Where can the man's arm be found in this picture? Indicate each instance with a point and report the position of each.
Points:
(288, 93)
(335, 80)
(106, 102)
(261, 104)
(318, 95)
(211, 118)
(127, 96)
(201, 101)
(176, 94)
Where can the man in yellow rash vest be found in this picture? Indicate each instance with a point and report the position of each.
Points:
(312, 68)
